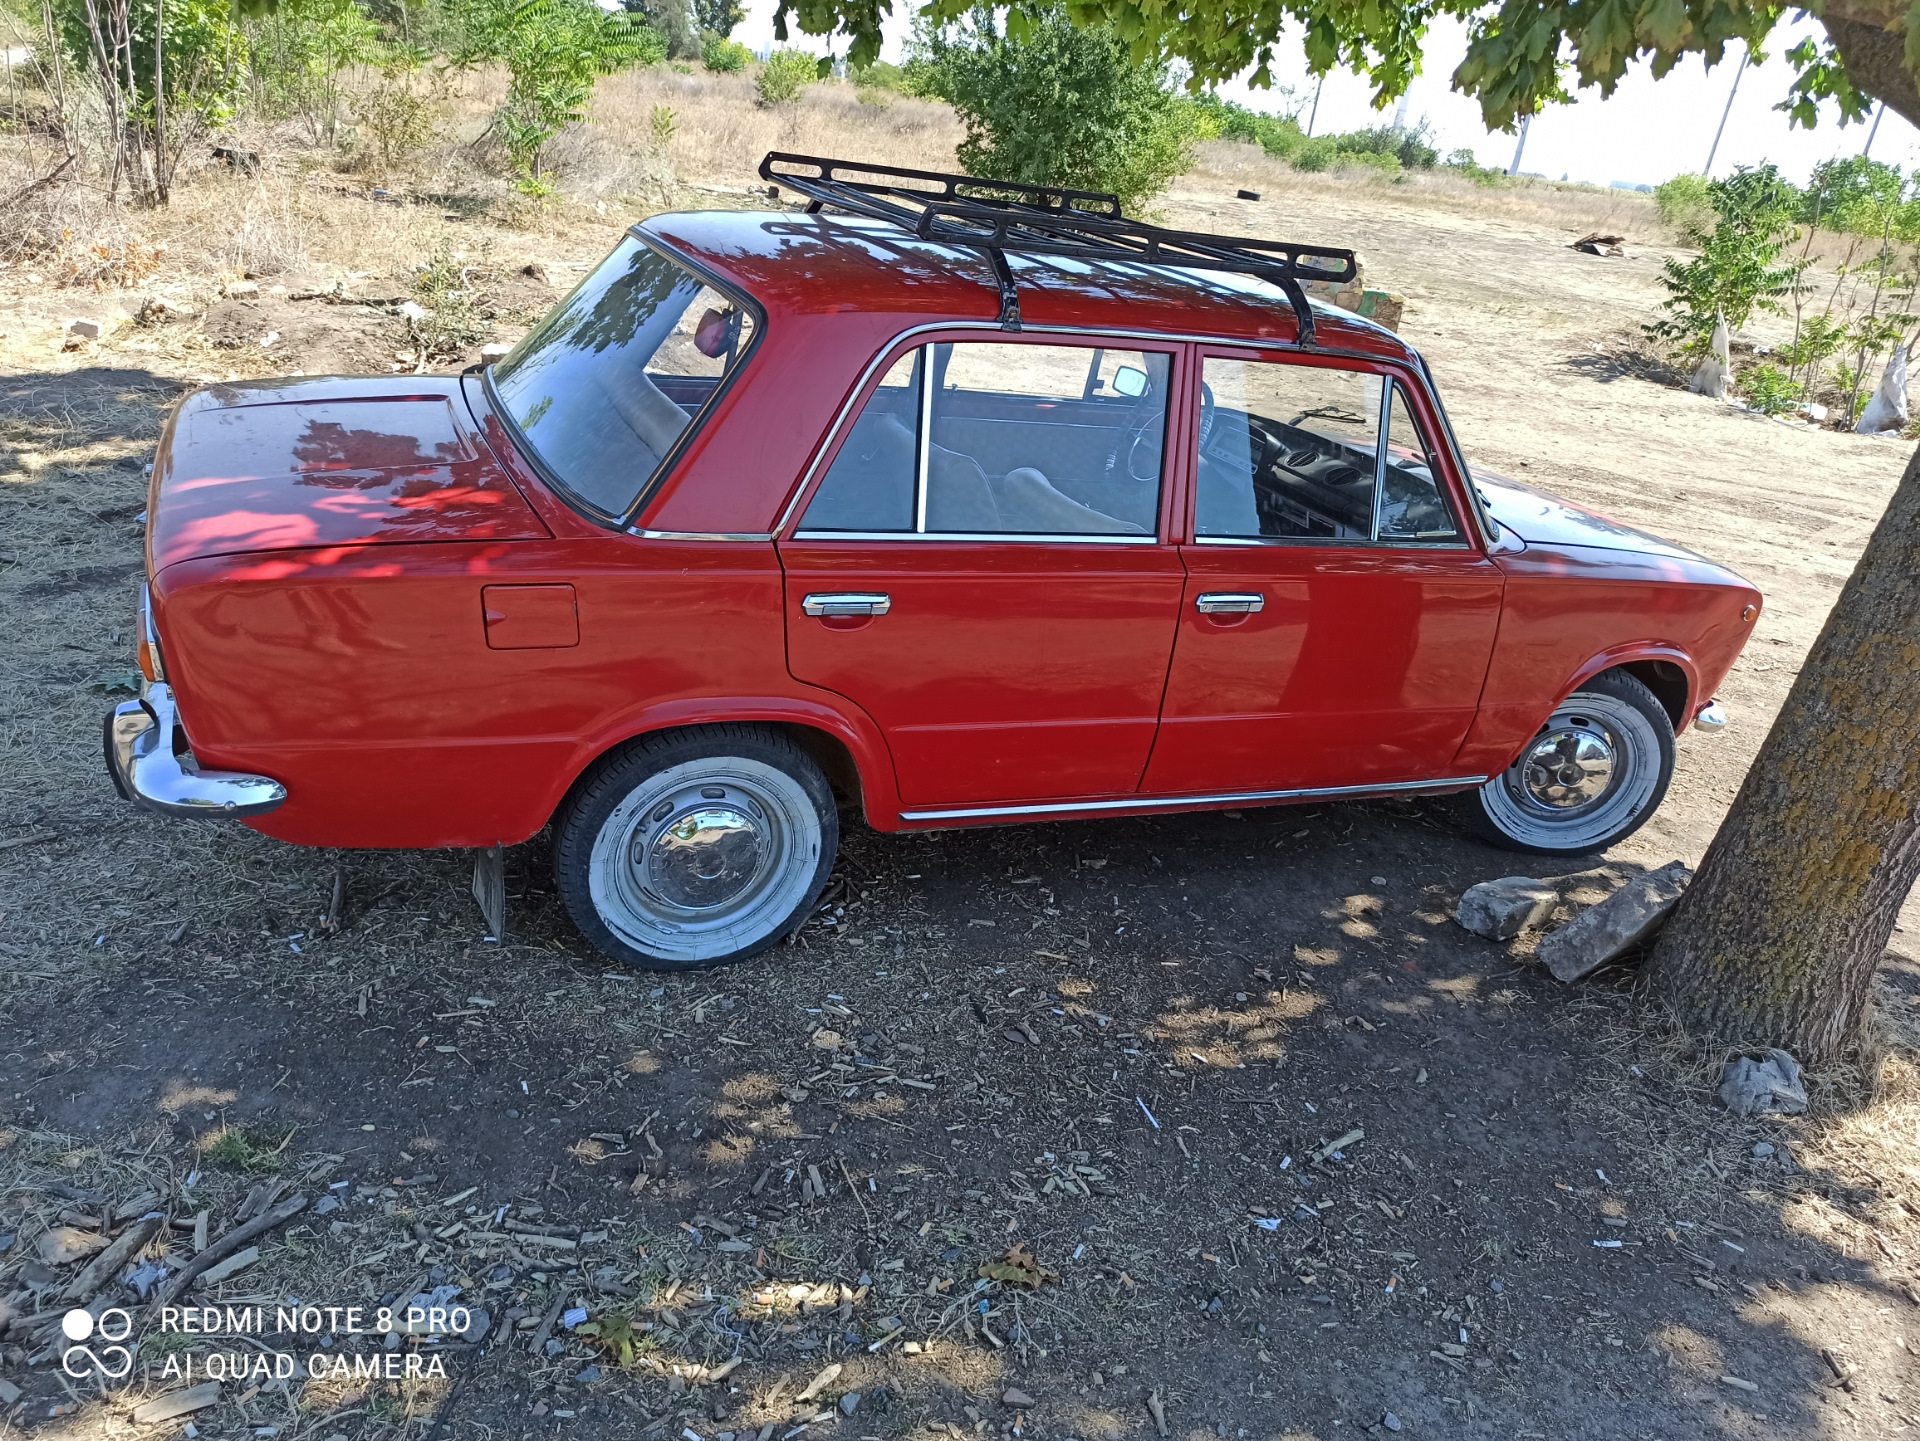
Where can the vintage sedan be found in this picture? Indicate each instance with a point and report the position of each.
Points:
(953, 502)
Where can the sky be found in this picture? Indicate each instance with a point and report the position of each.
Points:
(1648, 131)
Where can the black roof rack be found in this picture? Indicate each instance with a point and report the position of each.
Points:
(998, 216)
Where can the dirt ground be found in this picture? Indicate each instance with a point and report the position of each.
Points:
(1194, 1127)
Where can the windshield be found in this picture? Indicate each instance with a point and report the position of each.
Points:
(604, 387)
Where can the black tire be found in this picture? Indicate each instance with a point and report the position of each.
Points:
(697, 847)
(1546, 803)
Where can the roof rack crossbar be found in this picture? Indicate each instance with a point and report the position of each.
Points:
(1000, 216)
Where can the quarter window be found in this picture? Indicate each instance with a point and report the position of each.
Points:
(603, 388)
(999, 439)
(1297, 453)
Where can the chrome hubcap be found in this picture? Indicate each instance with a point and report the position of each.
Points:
(1569, 766)
(701, 858)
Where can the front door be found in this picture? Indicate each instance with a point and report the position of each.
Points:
(1337, 621)
(981, 568)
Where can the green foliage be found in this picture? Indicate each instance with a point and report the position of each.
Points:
(1685, 204)
(660, 121)
(1463, 162)
(204, 57)
(553, 50)
(616, 1335)
(1735, 271)
(718, 17)
(452, 325)
(723, 56)
(1051, 103)
(785, 75)
(673, 21)
(1278, 135)
(300, 51)
(396, 118)
(1520, 56)
(1768, 390)
(248, 1148)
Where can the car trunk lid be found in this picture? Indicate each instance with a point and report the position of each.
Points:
(289, 465)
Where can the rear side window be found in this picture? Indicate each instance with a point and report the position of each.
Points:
(1301, 454)
(603, 389)
(1003, 439)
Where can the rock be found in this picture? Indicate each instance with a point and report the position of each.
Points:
(1763, 1150)
(1749, 1087)
(1013, 1397)
(411, 310)
(1624, 920)
(238, 289)
(84, 328)
(849, 1403)
(493, 350)
(827, 1040)
(1500, 910)
(69, 1243)
(1390, 1421)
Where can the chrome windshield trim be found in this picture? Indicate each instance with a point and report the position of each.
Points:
(976, 535)
(735, 535)
(1160, 336)
(1161, 803)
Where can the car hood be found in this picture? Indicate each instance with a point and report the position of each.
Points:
(287, 465)
(1542, 519)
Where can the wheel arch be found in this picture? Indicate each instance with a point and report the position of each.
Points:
(1666, 670)
(849, 751)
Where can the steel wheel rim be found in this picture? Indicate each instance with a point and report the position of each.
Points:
(1587, 774)
(704, 858)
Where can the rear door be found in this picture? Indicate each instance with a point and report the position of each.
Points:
(983, 568)
(1337, 620)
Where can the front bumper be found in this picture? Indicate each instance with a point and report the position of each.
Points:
(150, 766)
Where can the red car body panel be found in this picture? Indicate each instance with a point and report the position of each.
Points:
(364, 591)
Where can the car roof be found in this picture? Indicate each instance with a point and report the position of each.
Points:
(797, 263)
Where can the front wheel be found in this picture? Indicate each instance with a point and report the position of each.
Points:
(1592, 775)
(697, 847)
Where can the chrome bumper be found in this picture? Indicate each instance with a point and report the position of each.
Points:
(146, 769)
(1710, 719)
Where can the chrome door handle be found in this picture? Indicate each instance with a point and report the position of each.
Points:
(1229, 602)
(847, 602)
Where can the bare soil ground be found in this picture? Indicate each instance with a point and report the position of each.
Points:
(1295, 1156)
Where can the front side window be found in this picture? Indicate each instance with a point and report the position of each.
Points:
(996, 438)
(604, 387)
(1298, 453)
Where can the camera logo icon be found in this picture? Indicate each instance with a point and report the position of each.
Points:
(80, 1360)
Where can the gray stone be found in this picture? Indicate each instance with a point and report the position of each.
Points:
(1500, 910)
(1763, 1151)
(849, 1403)
(1750, 1088)
(84, 328)
(1626, 919)
(1390, 1421)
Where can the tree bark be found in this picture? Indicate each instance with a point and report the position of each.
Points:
(1777, 941)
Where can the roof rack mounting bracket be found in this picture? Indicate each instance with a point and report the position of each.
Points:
(998, 217)
(1009, 295)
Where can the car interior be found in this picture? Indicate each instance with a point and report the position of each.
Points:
(1004, 461)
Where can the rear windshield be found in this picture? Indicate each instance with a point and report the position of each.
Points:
(604, 387)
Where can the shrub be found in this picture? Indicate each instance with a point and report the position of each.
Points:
(785, 75)
(300, 52)
(660, 121)
(1051, 103)
(1318, 153)
(1768, 390)
(723, 56)
(553, 51)
(1685, 205)
(1278, 135)
(397, 119)
(1734, 274)
(1408, 148)
(1463, 162)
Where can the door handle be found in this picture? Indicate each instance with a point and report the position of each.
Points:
(1229, 602)
(847, 602)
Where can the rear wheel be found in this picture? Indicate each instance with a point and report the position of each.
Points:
(1592, 775)
(697, 847)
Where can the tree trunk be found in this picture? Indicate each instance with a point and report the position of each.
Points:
(1777, 940)
(162, 172)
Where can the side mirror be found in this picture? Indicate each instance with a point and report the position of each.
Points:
(1130, 381)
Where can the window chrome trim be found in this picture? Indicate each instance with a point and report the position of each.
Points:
(1021, 537)
(1055, 808)
(1332, 542)
(923, 446)
(1157, 337)
(742, 535)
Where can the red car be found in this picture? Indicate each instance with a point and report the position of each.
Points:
(955, 501)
